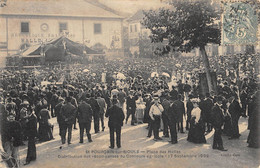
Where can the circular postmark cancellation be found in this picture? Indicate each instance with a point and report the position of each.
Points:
(239, 22)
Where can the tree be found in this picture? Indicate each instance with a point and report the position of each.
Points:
(3, 3)
(187, 26)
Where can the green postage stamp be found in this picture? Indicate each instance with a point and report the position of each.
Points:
(239, 23)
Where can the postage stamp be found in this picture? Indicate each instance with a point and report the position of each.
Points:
(239, 23)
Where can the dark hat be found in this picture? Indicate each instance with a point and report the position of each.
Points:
(98, 94)
(114, 96)
(156, 96)
(114, 100)
(219, 98)
(87, 95)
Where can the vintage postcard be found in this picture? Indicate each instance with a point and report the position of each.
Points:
(129, 83)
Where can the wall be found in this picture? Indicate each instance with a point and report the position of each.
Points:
(111, 31)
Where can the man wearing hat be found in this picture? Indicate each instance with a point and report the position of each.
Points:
(235, 111)
(84, 115)
(217, 122)
(68, 114)
(155, 114)
(11, 136)
(180, 111)
(116, 118)
(58, 115)
(103, 106)
(173, 93)
(96, 110)
(166, 106)
(131, 107)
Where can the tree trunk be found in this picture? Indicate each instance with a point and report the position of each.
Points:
(207, 67)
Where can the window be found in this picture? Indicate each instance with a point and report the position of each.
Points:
(63, 27)
(97, 28)
(135, 28)
(131, 28)
(25, 27)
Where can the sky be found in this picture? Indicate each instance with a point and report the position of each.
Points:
(132, 6)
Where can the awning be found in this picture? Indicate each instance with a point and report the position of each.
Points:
(31, 50)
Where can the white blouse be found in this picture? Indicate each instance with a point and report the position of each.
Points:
(196, 113)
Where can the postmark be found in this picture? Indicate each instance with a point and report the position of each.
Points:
(239, 23)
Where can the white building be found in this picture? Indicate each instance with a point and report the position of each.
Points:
(30, 22)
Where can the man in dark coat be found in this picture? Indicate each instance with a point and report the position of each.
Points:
(41, 103)
(207, 111)
(11, 137)
(116, 118)
(84, 115)
(189, 107)
(96, 111)
(58, 115)
(68, 114)
(103, 107)
(180, 111)
(244, 101)
(75, 104)
(217, 115)
(131, 107)
(254, 135)
(186, 89)
(172, 117)
(174, 94)
(54, 102)
(235, 112)
(166, 106)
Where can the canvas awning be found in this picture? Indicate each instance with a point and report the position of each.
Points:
(57, 48)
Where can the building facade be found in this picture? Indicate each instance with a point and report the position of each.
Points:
(26, 23)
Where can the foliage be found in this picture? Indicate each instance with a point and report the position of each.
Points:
(186, 26)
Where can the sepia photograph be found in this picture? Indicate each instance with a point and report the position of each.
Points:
(129, 83)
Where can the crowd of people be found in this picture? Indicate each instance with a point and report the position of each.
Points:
(78, 94)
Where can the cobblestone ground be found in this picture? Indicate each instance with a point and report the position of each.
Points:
(139, 151)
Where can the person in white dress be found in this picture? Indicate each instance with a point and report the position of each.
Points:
(196, 132)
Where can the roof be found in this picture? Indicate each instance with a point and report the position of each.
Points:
(137, 16)
(75, 8)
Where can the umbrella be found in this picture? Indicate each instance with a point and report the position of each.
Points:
(154, 74)
(166, 74)
(85, 70)
(120, 76)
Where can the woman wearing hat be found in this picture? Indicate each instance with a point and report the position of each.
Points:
(196, 132)
(140, 106)
(31, 129)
